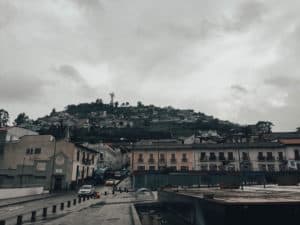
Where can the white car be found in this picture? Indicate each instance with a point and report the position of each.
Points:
(86, 190)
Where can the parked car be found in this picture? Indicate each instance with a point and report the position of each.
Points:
(110, 182)
(86, 190)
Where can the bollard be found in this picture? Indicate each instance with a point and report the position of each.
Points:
(79, 200)
(54, 209)
(2, 222)
(83, 199)
(33, 216)
(44, 212)
(19, 220)
(74, 202)
(62, 205)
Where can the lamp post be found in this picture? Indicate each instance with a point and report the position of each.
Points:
(52, 169)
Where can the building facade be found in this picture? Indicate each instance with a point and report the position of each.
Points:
(40, 160)
(268, 156)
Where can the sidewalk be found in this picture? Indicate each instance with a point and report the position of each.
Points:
(13, 201)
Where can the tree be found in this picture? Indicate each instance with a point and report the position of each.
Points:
(4, 118)
(264, 127)
(139, 104)
(53, 112)
(99, 101)
(21, 119)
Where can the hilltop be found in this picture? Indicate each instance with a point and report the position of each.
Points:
(96, 121)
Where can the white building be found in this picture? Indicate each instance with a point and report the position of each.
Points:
(15, 133)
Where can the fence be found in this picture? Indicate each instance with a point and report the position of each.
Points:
(44, 212)
(156, 180)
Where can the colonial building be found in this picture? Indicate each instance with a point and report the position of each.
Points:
(40, 160)
(260, 156)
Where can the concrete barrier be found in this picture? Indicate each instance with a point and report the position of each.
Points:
(6, 193)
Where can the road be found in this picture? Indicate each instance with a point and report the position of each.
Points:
(109, 209)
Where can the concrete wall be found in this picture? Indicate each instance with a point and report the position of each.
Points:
(19, 192)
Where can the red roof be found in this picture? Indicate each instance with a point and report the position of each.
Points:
(295, 141)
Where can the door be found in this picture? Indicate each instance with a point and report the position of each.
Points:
(58, 184)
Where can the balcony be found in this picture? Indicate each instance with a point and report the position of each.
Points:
(212, 158)
(87, 161)
(151, 161)
(261, 158)
(246, 158)
(203, 159)
(162, 161)
(271, 158)
(184, 160)
(222, 158)
(173, 161)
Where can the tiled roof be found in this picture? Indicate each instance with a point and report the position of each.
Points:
(295, 141)
(209, 146)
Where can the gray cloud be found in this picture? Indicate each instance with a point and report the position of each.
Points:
(15, 87)
(239, 88)
(161, 52)
(69, 72)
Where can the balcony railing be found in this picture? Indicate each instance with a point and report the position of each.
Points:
(222, 158)
(184, 160)
(162, 161)
(271, 158)
(203, 159)
(151, 161)
(212, 158)
(86, 161)
(261, 158)
(173, 161)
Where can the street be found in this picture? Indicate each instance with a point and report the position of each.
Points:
(109, 209)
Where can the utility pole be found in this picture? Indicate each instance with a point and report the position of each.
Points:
(52, 169)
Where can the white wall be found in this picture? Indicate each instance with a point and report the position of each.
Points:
(6, 193)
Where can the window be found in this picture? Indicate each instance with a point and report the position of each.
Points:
(230, 156)
(297, 156)
(184, 158)
(37, 151)
(260, 156)
(202, 156)
(28, 151)
(184, 168)
(270, 156)
(151, 158)
(245, 156)
(212, 156)
(78, 155)
(173, 158)
(162, 158)
(280, 156)
(204, 167)
(271, 167)
(262, 167)
(101, 156)
(151, 168)
(213, 167)
(221, 156)
(141, 168)
(172, 168)
(140, 159)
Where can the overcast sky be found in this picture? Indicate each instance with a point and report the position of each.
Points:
(236, 60)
